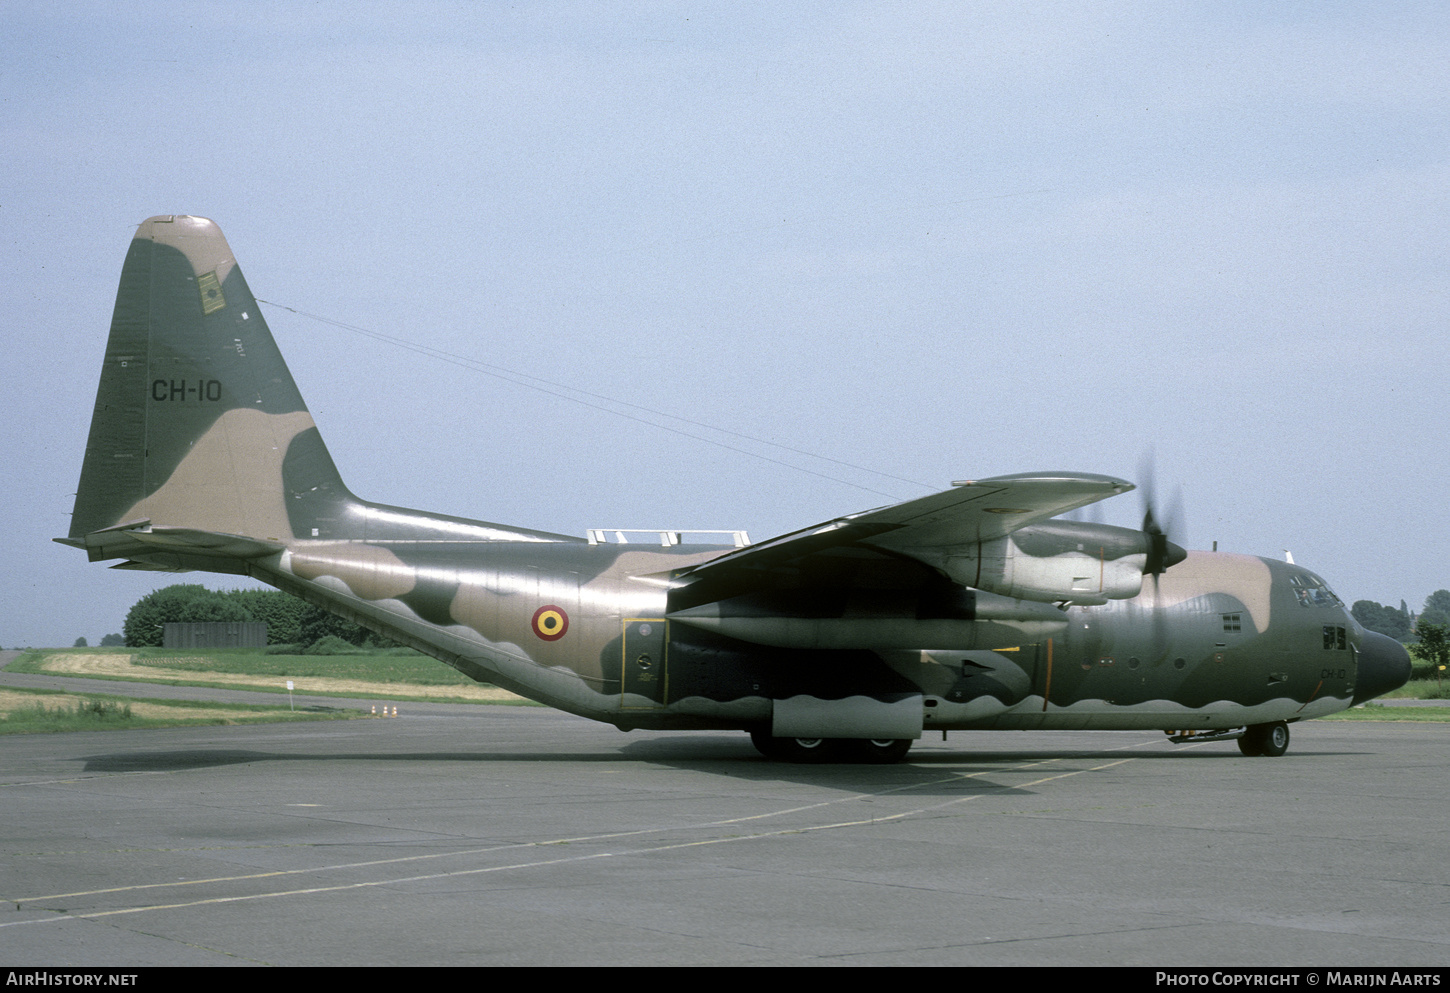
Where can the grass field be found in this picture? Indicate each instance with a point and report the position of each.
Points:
(387, 674)
(1421, 689)
(37, 711)
(1377, 712)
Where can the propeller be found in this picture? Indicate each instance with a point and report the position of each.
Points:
(1162, 552)
(1157, 523)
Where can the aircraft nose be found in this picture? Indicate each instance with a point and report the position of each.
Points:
(1384, 665)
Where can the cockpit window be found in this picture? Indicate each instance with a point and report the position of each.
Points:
(1311, 591)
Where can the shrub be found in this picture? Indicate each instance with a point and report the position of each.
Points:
(333, 645)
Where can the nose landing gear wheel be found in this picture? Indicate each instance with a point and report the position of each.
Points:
(1271, 740)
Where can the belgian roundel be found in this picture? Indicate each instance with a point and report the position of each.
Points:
(550, 622)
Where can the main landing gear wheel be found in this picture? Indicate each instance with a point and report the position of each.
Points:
(1270, 740)
(810, 750)
(875, 751)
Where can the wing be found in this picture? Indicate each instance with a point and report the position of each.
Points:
(971, 511)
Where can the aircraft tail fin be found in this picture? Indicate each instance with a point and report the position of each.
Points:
(198, 424)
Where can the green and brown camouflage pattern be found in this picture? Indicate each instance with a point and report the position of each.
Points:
(966, 609)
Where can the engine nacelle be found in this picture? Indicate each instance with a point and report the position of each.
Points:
(1053, 562)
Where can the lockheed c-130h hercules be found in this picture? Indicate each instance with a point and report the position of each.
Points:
(971, 608)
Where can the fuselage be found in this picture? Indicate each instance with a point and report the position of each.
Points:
(1218, 641)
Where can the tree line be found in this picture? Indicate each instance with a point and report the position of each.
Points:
(1427, 634)
(1399, 623)
(289, 620)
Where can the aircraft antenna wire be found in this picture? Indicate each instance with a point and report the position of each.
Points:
(522, 379)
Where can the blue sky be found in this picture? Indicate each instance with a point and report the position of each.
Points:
(935, 241)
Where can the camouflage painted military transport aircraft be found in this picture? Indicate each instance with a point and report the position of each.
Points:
(970, 608)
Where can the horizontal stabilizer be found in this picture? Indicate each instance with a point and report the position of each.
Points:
(173, 549)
